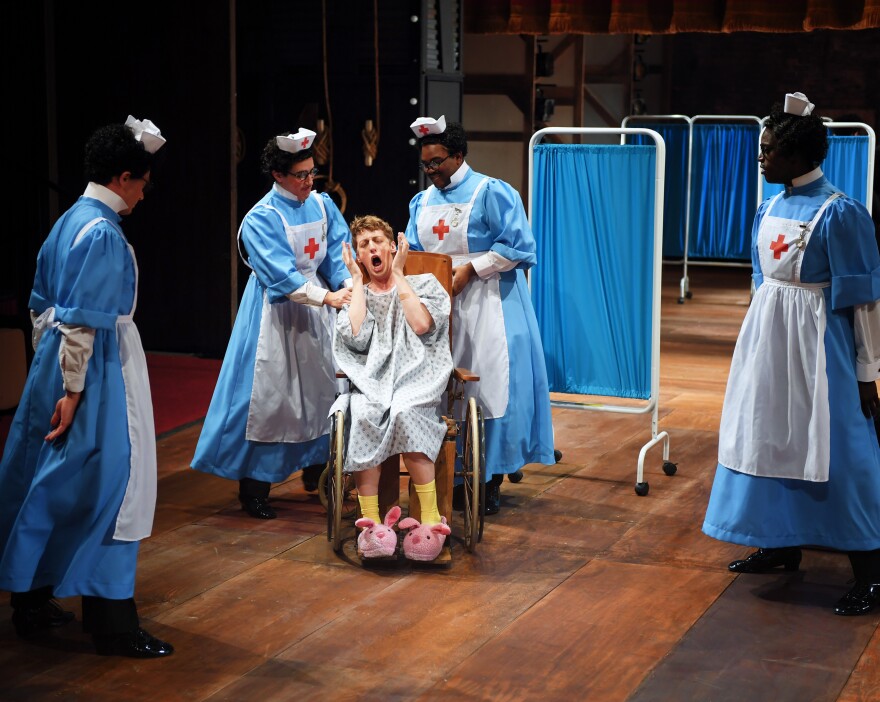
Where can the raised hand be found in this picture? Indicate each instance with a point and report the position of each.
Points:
(349, 260)
(400, 257)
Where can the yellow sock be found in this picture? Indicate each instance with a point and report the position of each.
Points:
(370, 507)
(428, 500)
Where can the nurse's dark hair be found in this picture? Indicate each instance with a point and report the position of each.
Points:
(275, 158)
(804, 136)
(454, 139)
(111, 151)
(370, 223)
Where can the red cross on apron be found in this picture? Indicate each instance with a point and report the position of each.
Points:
(778, 247)
(312, 248)
(441, 229)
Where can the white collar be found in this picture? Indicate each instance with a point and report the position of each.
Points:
(287, 195)
(458, 176)
(807, 178)
(105, 195)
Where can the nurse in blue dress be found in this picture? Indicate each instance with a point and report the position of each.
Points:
(78, 475)
(480, 222)
(798, 458)
(268, 416)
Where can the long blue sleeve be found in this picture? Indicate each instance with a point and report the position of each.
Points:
(332, 268)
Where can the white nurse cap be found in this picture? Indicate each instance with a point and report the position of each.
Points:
(428, 125)
(293, 143)
(797, 104)
(147, 133)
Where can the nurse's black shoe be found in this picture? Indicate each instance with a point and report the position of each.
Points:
(257, 507)
(861, 599)
(766, 559)
(29, 622)
(311, 475)
(493, 498)
(136, 644)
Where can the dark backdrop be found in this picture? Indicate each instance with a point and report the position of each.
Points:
(71, 67)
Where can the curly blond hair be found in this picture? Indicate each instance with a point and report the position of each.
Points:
(370, 223)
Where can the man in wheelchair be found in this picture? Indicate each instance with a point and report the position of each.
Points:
(392, 341)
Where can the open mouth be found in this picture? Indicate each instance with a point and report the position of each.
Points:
(375, 261)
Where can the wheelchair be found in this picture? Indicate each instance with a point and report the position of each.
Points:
(462, 453)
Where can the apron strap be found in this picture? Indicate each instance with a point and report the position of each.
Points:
(89, 225)
(317, 197)
(773, 202)
(241, 255)
(82, 232)
(426, 193)
(825, 204)
(809, 226)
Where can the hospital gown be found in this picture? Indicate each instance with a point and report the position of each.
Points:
(398, 377)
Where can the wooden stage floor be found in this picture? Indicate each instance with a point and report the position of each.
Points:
(580, 590)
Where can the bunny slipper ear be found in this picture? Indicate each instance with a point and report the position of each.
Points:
(392, 516)
(408, 522)
(365, 523)
(442, 528)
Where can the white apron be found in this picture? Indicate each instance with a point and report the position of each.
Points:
(294, 379)
(777, 424)
(135, 519)
(479, 341)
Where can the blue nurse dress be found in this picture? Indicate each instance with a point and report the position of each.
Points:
(268, 414)
(494, 330)
(71, 512)
(799, 463)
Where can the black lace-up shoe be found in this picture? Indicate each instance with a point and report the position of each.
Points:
(138, 644)
(493, 498)
(257, 507)
(861, 599)
(29, 622)
(766, 559)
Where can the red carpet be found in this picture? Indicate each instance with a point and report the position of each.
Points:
(181, 387)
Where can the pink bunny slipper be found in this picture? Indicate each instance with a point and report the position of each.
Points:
(378, 540)
(424, 542)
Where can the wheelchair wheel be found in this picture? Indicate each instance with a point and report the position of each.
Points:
(335, 482)
(472, 464)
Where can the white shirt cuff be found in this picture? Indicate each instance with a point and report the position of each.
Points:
(490, 263)
(309, 294)
(866, 323)
(74, 352)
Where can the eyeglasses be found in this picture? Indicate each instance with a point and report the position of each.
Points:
(148, 184)
(302, 175)
(434, 163)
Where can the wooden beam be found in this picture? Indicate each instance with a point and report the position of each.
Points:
(563, 46)
(510, 86)
(529, 116)
(606, 116)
